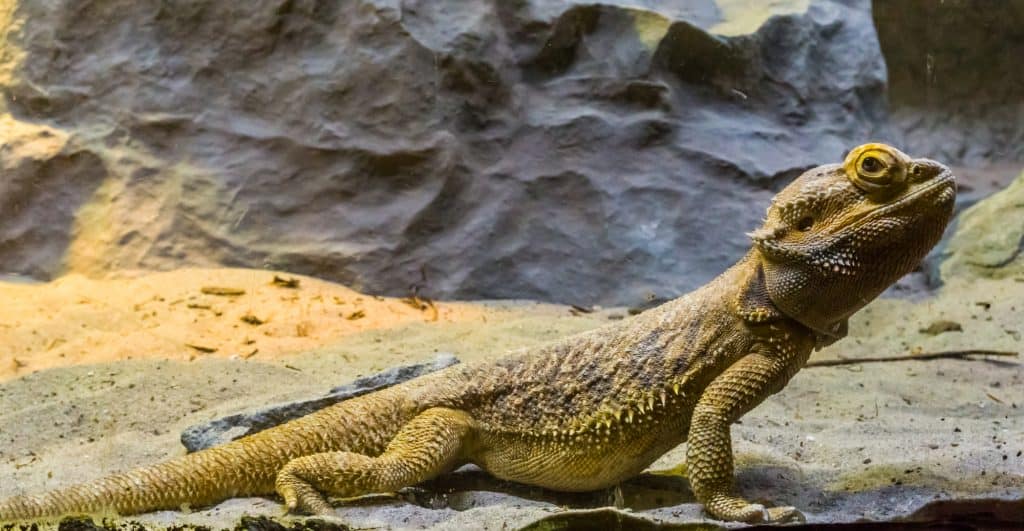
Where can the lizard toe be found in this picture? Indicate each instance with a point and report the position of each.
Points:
(785, 514)
(734, 509)
(299, 496)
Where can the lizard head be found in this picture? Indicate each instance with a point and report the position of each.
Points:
(840, 234)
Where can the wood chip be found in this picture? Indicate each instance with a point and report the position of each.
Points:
(415, 302)
(222, 291)
(251, 319)
(422, 304)
(200, 348)
(290, 282)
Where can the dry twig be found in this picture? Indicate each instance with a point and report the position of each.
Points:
(952, 354)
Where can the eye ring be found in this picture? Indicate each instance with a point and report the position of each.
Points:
(877, 168)
(805, 224)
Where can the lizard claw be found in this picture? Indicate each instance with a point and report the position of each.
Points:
(300, 497)
(291, 501)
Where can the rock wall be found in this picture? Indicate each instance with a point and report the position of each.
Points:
(956, 85)
(550, 150)
(989, 238)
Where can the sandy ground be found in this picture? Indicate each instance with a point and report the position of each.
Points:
(873, 441)
(192, 313)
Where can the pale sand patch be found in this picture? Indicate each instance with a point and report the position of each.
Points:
(75, 320)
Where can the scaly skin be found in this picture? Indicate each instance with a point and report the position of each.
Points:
(592, 410)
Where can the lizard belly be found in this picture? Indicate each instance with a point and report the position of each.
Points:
(575, 463)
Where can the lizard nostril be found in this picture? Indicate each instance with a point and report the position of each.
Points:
(924, 169)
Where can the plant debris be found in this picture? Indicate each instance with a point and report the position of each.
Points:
(358, 314)
(421, 304)
(579, 310)
(251, 319)
(952, 354)
(222, 291)
(281, 282)
(200, 348)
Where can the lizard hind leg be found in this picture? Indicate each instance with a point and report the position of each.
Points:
(427, 446)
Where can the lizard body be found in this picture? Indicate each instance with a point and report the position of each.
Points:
(594, 409)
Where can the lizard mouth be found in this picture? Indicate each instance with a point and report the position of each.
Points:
(943, 187)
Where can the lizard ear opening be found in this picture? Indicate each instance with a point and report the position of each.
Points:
(752, 302)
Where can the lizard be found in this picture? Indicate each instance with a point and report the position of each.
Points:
(590, 410)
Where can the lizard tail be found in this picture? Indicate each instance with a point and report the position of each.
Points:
(245, 467)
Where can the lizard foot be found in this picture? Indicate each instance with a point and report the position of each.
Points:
(300, 497)
(784, 514)
(735, 509)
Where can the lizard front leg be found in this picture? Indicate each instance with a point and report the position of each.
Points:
(709, 446)
(429, 445)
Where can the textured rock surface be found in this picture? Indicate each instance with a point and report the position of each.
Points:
(547, 150)
(989, 238)
(955, 81)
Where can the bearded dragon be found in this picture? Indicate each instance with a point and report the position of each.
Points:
(591, 410)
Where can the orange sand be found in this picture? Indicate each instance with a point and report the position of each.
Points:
(75, 320)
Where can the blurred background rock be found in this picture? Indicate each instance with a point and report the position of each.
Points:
(551, 150)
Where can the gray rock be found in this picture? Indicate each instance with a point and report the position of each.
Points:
(232, 427)
(989, 238)
(956, 86)
(558, 151)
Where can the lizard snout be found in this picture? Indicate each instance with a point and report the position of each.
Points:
(922, 170)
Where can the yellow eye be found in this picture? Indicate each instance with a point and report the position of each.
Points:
(874, 167)
(871, 165)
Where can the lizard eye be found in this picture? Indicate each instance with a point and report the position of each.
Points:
(870, 165)
(805, 224)
(876, 168)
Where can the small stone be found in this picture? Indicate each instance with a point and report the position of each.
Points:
(940, 327)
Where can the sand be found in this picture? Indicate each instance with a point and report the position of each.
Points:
(192, 313)
(882, 441)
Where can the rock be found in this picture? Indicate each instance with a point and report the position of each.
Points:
(561, 151)
(232, 427)
(989, 238)
(47, 177)
(941, 327)
(955, 82)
